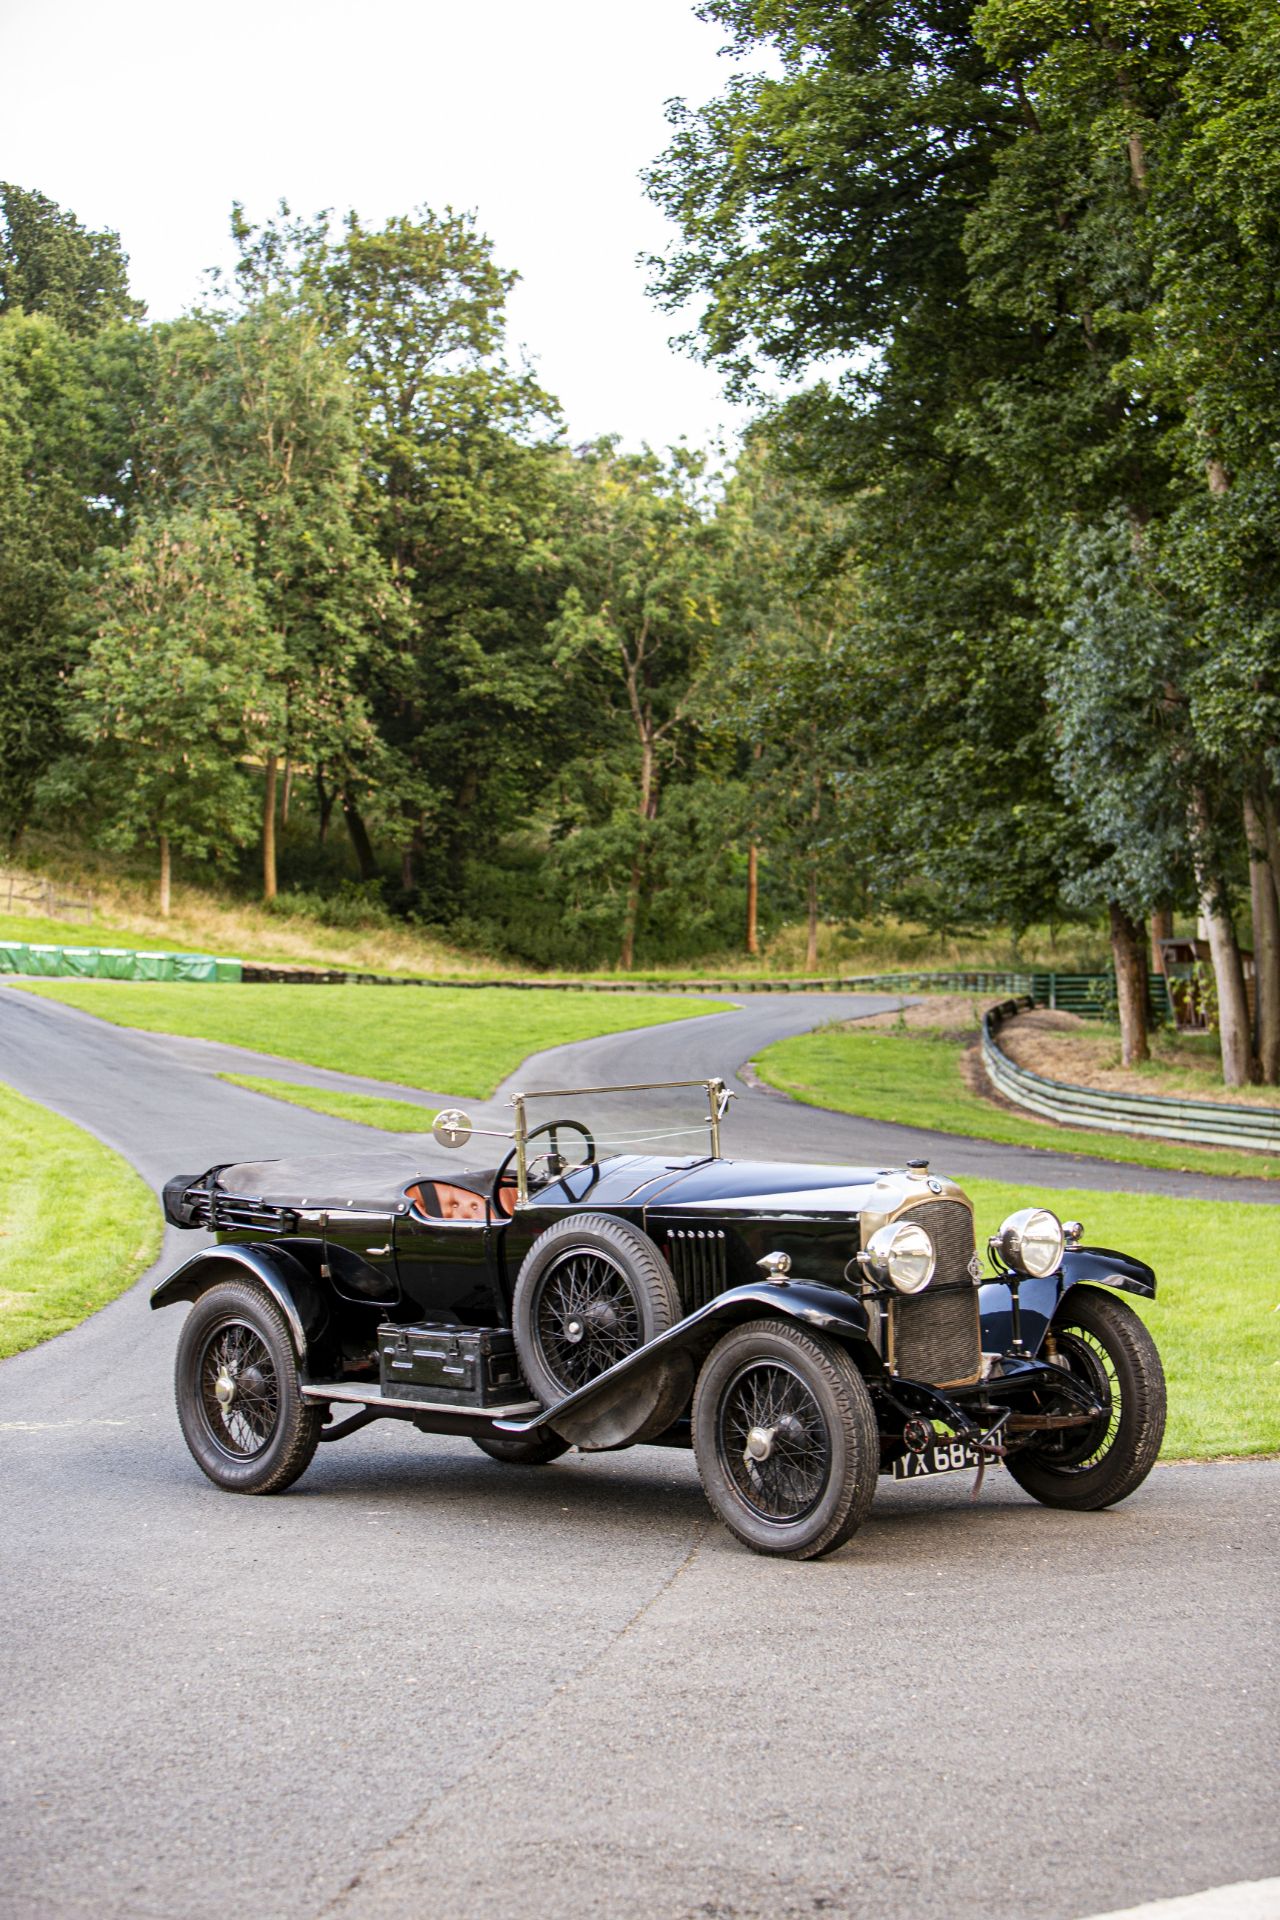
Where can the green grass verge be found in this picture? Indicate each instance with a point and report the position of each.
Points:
(366, 1109)
(915, 1078)
(33, 931)
(463, 1040)
(60, 1261)
(1216, 1317)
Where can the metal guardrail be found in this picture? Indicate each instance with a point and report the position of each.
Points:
(1159, 1116)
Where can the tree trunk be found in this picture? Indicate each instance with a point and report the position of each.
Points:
(359, 833)
(753, 879)
(1266, 942)
(1161, 929)
(753, 898)
(1271, 822)
(165, 872)
(811, 894)
(407, 880)
(1128, 952)
(287, 793)
(648, 808)
(324, 807)
(269, 832)
(1224, 950)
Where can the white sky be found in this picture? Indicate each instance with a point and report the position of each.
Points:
(151, 116)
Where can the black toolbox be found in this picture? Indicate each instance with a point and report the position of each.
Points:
(460, 1366)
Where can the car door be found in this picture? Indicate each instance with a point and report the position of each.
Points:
(448, 1270)
(359, 1253)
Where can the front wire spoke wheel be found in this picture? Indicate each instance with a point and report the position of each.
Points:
(1106, 1347)
(774, 1441)
(785, 1439)
(1077, 1450)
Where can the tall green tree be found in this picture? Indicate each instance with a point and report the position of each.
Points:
(51, 264)
(69, 387)
(978, 206)
(636, 621)
(177, 690)
(253, 414)
(464, 489)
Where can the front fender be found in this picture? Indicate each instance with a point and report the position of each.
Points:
(1040, 1299)
(823, 1309)
(282, 1275)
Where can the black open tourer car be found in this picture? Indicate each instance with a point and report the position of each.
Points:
(804, 1328)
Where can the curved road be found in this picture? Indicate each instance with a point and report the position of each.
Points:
(422, 1683)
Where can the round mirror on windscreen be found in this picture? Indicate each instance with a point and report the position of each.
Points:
(452, 1128)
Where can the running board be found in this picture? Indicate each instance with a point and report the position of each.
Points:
(374, 1398)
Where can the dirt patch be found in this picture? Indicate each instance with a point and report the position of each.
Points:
(1062, 1046)
(955, 1016)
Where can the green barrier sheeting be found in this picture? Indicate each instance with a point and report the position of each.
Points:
(80, 961)
(113, 963)
(153, 966)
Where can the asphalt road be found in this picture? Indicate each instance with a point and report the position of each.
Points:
(421, 1683)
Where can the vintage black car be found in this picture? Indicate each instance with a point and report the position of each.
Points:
(804, 1328)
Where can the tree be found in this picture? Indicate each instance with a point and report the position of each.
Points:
(636, 621)
(982, 206)
(63, 439)
(787, 602)
(50, 264)
(464, 488)
(253, 415)
(175, 691)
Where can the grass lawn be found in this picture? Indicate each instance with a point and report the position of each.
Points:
(1216, 1316)
(392, 1116)
(915, 1077)
(55, 1268)
(462, 1040)
(34, 931)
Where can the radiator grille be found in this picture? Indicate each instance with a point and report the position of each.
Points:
(699, 1262)
(936, 1337)
(949, 1224)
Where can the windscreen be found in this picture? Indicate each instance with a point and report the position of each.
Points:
(675, 1122)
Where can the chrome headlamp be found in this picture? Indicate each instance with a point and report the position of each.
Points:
(1031, 1242)
(901, 1253)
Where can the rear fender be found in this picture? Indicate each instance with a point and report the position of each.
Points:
(822, 1309)
(1040, 1299)
(280, 1273)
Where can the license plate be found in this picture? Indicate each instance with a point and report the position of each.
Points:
(945, 1456)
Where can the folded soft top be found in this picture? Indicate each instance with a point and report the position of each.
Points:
(337, 1180)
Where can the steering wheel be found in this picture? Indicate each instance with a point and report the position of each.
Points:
(553, 1158)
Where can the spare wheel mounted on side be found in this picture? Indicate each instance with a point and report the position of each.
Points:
(591, 1291)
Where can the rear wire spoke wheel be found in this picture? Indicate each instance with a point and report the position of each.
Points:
(236, 1384)
(1104, 1345)
(786, 1440)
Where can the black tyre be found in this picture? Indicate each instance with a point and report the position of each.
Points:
(515, 1450)
(236, 1383)
(1103, 1343)
(592, 1289)
(785, 1438)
